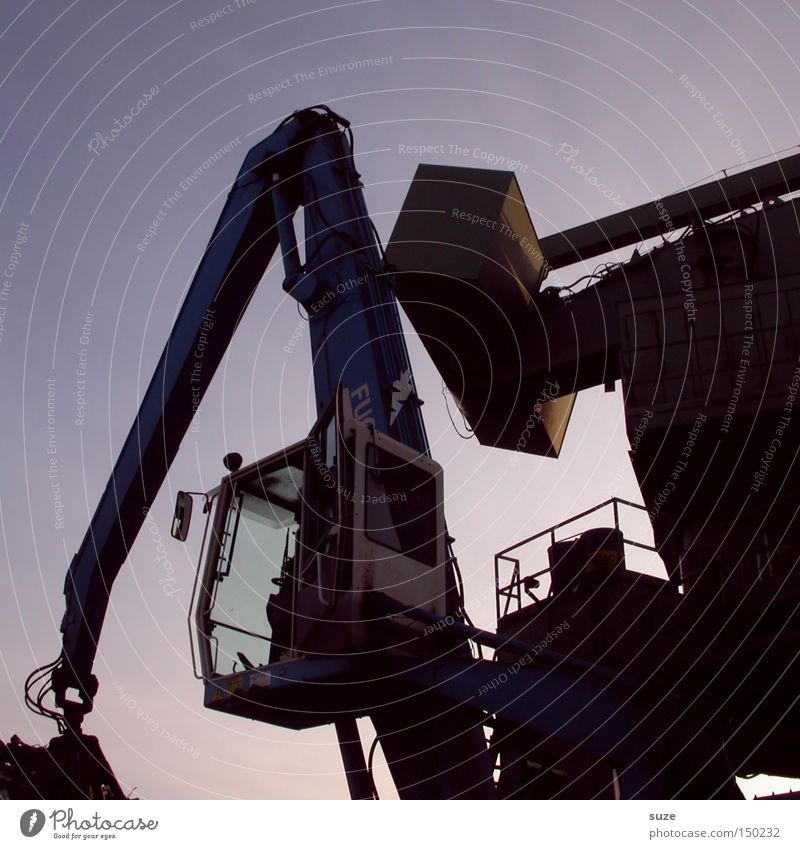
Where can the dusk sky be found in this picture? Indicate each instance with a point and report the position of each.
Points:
(109, 109)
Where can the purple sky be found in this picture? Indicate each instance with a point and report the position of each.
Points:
(109, 109)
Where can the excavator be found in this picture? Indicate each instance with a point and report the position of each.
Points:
(328, 589)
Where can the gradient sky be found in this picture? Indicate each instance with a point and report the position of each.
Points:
(626, 85)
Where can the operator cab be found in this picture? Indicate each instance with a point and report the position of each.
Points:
(296, 546)
(250, 556)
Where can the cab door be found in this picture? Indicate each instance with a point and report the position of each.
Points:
(373, 521)
(325, 542)
(399, 530)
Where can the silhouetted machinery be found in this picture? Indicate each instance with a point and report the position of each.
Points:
(328, 589)
(702, 331)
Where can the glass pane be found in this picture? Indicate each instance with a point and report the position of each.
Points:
(261, 530)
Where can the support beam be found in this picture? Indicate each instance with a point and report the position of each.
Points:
(359, 781)
(236, 258)
(661, 216)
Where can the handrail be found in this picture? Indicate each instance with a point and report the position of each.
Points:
(512, 591)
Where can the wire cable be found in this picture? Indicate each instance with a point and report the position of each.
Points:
(43, 679)
(471, 432)
(369, 766)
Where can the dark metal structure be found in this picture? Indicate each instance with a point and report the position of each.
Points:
(702, 331)
(365, 613)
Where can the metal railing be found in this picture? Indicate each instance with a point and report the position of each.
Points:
(512, 592)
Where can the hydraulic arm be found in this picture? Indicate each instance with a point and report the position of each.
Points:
(432, 735)
(357, 343)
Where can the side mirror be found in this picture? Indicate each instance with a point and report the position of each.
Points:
(182, 517)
